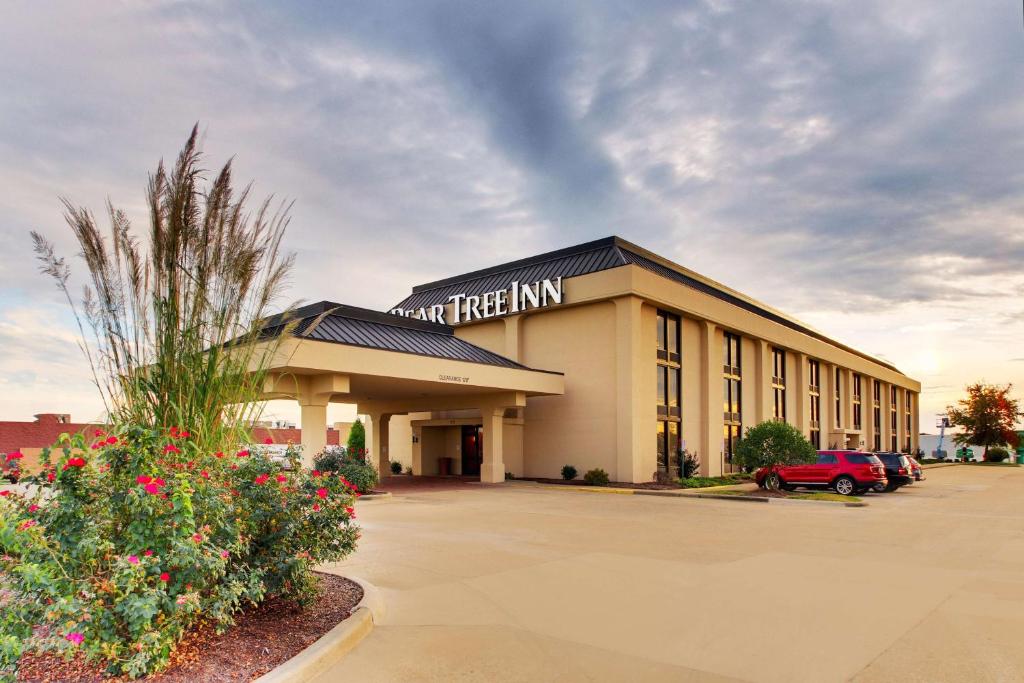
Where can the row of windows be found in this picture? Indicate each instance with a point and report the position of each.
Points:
(669, 396)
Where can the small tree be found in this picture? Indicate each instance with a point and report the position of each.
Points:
(987, 416)
(356, 443)
(771, 444)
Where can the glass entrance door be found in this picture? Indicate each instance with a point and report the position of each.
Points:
(472, 450)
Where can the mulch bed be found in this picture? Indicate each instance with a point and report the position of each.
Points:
(262, 638)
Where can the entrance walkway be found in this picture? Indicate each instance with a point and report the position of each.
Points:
(528, 584)
(405, 485)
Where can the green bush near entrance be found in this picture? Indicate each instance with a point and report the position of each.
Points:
(596, 477)
(568, 472)
(996, 454)
(771, 444)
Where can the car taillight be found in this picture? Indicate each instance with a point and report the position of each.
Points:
(902, 470)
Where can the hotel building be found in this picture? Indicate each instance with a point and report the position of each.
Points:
(599, 355)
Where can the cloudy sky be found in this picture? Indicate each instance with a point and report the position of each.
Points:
(859, 165)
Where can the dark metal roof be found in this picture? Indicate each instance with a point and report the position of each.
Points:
(341, 324)
(591, 257)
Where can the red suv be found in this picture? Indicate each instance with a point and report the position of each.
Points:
(848, 472)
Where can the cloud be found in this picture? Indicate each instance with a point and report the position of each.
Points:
(844, 162)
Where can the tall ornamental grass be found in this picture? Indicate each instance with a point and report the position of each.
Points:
(156, 324)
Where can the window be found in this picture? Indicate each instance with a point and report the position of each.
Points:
(779, 384)
(893, 441)
(838, 390)
(876, 411)
(908, 400)
(862, 459)
(856, 401)
(828, 459)
(814, 387)
(732, 387)
(669, 393)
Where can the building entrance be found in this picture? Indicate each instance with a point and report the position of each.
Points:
(472, 450)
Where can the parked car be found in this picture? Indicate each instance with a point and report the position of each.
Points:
(847, 472)
(897, 471)
(916, 470)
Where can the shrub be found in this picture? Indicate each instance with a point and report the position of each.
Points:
(691, 464)
(997, 454)
(356, 444)
(396, 467)
(596, 477)
(773, 443)
(568, 472)
(133, 540)
(362, 474)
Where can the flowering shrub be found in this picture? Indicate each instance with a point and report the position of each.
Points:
(133, 539)
(352, 468)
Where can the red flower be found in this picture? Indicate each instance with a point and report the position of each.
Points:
(159, 482)
(16, 455)
(219, 454)
(351, 511)
(234, 467)
(33, 507)
(5, 492)
(282, 478)
(98, 432)
(50, 476)
(152, 488)
(171, 448)
(165, 577)
(111, 440)
(316, 473)
(316, 507)
(268, 440)
(198, 538)
(148, 553)
(74, 462)
(242, 454)
(205, 474)
(321, 492)
(143, 479)
(183, 435)
(262, 479)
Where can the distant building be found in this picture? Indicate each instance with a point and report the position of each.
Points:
(30, 438)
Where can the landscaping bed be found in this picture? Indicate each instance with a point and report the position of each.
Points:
(262, 638)
(612, 484)
(792, 495)
(706, 482)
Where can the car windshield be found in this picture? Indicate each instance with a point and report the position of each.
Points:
(890, 459)
(862, 459)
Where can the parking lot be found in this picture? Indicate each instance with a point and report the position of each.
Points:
(515, 584)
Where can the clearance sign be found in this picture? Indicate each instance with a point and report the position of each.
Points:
(518, 297)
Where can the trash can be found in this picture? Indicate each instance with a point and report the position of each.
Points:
(444, 466)
(1020, 455)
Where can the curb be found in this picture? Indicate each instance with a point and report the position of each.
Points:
(375, 496)
(934, 465)
(332, 646)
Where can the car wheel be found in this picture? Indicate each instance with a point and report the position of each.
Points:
(845, 486)
(772, 481)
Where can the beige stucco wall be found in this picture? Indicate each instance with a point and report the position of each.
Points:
(577, 428)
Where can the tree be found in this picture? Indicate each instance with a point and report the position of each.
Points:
(356, 438)
(986, 417)
(771, 444)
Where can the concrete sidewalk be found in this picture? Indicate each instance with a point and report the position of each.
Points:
(525, 584)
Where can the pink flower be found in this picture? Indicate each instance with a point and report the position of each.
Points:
(282, 478)
(27, 524)
(75, 637)
(152, 488)
(33, 507)
(143, 479)
(321, 492)
(148, 553)
(16, 455)
(133, 559)
(225, 554)
(262, 479)
(242, 454)
(171, 448)
(181, 600)
(98, 432)
(316, 507)
(198, 538)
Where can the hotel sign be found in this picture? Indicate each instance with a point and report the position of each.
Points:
(518, 297)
